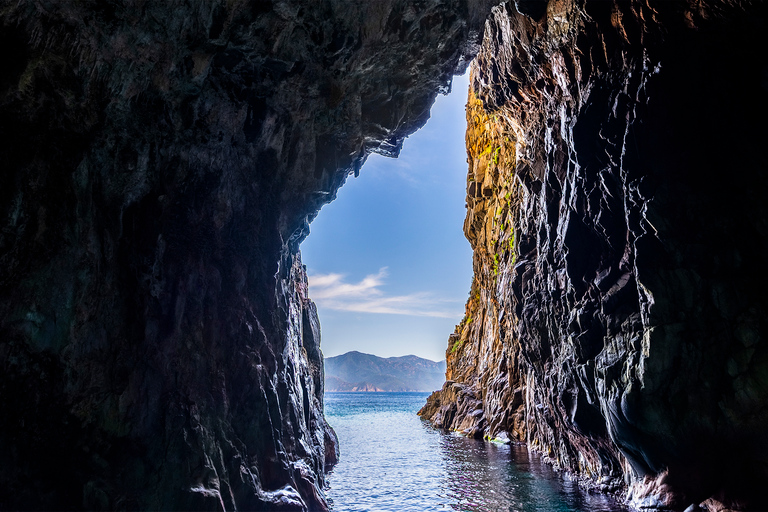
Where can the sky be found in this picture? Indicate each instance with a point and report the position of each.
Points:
(389, 267)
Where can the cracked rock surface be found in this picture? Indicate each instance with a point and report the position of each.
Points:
(616, 206)
(160, 164)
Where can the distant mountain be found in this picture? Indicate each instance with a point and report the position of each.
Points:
(355, 371)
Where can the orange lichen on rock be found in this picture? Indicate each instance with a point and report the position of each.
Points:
(482, 353)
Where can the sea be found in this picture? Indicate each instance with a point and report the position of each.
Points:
(392, 460)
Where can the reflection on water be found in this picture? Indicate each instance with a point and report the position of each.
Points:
(487, 476)
(392, 460)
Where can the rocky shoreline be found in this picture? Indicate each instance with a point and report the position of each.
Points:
(615, 323)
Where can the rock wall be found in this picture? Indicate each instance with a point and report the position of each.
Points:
(161, 162)
(617, 320)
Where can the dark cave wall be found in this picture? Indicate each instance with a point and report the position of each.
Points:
(629, 322)
(160, 163)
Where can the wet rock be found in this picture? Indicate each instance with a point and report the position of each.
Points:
(618, 262)
(161, 162)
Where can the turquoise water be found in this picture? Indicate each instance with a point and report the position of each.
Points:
(393, 461)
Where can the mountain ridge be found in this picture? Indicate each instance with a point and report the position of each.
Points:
(361, 372)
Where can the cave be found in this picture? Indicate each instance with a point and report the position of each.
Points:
(162, 163)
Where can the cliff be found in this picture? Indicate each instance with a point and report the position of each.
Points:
(616, 207)
(161, 162)
(355, 371)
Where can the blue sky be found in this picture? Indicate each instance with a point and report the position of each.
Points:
(389, 267)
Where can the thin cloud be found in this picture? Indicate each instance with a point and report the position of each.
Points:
(332, 292)
(403, 168)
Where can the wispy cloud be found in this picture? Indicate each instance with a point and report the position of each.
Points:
(403, 167)
(332, 292)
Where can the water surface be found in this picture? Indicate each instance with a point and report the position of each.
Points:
(391, 460)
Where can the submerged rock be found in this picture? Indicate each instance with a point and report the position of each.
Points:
(616, 207)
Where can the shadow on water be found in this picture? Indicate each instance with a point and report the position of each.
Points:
(392, 460)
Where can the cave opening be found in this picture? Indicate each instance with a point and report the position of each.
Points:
(389, 267)
(156, 332)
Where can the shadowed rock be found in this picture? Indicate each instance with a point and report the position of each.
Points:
(616, 208)
(161, 162)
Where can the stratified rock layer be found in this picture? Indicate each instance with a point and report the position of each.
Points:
(161, 161)
(624, 334)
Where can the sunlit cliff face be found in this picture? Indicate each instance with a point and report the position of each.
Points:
(161, 164)
(615, 320)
